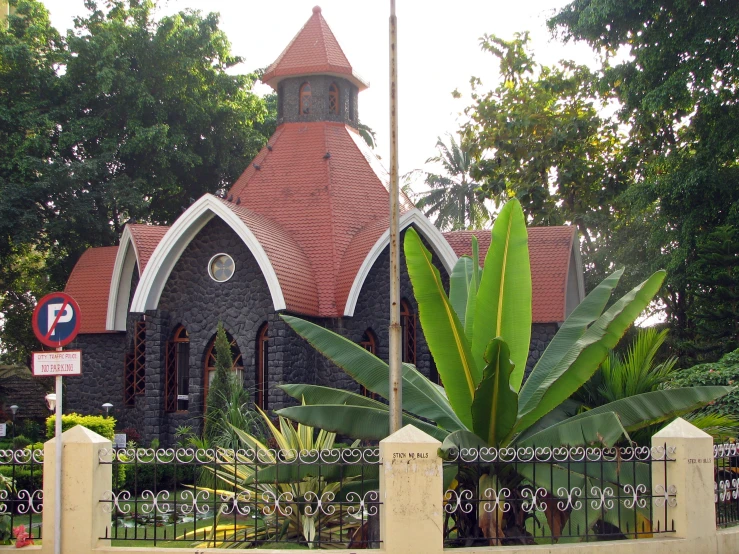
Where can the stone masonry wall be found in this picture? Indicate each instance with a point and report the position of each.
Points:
(289, 100)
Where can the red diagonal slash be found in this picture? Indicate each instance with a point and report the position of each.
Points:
(56, 320)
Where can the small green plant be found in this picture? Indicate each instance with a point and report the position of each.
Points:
(103, 426)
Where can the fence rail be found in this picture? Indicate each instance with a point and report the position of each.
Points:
(220, 497)
(21, 492)
(726, 484)
(548, 495)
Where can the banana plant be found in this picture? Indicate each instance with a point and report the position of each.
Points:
(479, 336)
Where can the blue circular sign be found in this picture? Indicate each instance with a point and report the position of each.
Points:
(56, 319)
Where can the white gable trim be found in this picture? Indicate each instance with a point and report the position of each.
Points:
(120, 283)
(175, 241)
(438, 243)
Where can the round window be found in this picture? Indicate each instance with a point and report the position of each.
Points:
(221, 267)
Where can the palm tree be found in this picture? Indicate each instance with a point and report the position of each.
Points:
(452, 197)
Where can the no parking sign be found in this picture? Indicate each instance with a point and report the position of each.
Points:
(56, 319)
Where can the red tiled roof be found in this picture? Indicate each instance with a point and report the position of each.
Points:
(89, 285)
(294, 271)
(550, 249)
(313, 50)
(145, 240)
(321, 202)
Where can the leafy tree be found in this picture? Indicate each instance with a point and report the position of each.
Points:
(453, 197)
(679, 97)
(129, 119)
(219, 391)
(539, 136)
(723, 372)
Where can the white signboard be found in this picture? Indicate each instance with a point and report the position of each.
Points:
(3, 430)
(119, 440)
(50, 364)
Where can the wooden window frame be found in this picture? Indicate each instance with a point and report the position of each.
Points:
(134, 373)
(261, 368)
(408, 322)
(172, 370)
(304, 98)
(333, 99)
(369, 343)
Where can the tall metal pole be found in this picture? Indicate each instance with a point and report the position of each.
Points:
(396, 387)
(58, 468)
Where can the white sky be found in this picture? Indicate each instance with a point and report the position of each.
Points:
(438, 51)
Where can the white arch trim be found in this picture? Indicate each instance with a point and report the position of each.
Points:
(438, 243)
(175, 241)
(120, 283)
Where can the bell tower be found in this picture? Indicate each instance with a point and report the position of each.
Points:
(313, 78)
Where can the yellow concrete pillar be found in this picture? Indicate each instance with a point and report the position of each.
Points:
(411, 514)
(84, 480)
(688, 485)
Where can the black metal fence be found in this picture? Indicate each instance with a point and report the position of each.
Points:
(21, 494)
(532, 495)
(247, 498)
(726, 485)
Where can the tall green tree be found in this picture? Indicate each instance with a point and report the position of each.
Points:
(453, 197)
(679, 96)
(130, 118)
(220, 387)
(539, 136)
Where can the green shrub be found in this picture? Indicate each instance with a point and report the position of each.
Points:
(103, 426)
(20, 442)
(28, 476)
(723, 372)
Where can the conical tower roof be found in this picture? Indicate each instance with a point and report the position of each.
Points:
(314, 50)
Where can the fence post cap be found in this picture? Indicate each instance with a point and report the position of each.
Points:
(410, 434)
(681, 429)
(82, 435)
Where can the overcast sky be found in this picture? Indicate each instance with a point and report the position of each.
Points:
(438, 51)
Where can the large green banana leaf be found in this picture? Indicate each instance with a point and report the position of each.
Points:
(443, 331)
(642, 410)
(601, 429)
(495, 405)
(572, 329)
(460, 284)
(503, 306)
(358, 422)
(469, 319)
(579, 364)
(313, 395)
(420, 396)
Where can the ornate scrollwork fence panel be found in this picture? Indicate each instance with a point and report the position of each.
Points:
(217, 497)
(545, 495)
(21, 489)
(726, 484)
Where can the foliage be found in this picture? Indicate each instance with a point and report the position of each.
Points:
(453, 196)
(219, 389)
(481, 365)
(540, 136)
(678, 93)
(6, 535)
(723, 372)
(103, 426)
(297, 493)
(714, 313)
(127, 120)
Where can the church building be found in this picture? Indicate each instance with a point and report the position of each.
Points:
(303, 231)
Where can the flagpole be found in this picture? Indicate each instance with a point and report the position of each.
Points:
(395, 344)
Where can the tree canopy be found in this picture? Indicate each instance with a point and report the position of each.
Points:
(126, 119)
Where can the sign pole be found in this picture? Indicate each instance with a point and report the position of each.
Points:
(58, 476)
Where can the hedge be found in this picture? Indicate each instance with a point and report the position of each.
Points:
(103, 426)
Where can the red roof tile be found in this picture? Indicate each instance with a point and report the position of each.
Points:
(320, 202)
(313, 50)
(145, 240)
(550, 249)
(89, 285)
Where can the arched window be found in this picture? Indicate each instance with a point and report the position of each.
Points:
(261, 379)
(408, 332)
(305, 99)
(210, 363)
(333, 99)
(177, 372)
(369, 343)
